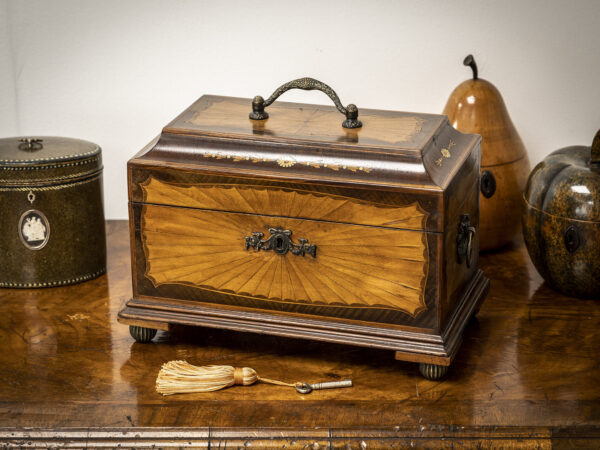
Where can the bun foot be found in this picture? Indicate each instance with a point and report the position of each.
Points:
(433, 371)
(141, 334)
(473, 319)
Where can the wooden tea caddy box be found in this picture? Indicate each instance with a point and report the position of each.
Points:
(296, 225)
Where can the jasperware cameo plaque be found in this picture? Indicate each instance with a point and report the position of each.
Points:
(34, 229)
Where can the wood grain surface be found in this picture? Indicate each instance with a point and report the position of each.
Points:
(214, 115)
(409, 152)
(274, 201)
(525, 376)
(205, 249)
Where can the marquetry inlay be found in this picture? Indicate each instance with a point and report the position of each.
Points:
(355, 266)
(271, 200)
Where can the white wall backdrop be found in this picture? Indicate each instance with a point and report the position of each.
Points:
(114, 72)
(8, 98)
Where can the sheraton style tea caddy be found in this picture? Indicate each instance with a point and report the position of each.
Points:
(290, 220)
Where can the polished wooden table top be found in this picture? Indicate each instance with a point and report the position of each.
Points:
(526, 374)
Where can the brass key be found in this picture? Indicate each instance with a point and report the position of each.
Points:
(305, 388)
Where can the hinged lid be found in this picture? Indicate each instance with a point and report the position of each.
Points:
(413, 159)
(566, 185)
(46, 159)
(299, 141)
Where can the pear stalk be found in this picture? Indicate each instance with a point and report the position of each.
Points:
(470, 61)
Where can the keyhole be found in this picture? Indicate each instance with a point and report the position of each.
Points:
(572, 239)
(279, 243)
(488, 184)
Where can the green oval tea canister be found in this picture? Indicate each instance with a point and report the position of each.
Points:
(52, 221)
(561, 219)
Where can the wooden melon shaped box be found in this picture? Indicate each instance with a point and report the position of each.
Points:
(299, 223)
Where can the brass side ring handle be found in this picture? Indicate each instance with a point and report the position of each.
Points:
(464, 240)
(308, 84)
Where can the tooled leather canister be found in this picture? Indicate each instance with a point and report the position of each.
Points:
(52, 222)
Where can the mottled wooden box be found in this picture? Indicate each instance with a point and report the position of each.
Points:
(296, 226)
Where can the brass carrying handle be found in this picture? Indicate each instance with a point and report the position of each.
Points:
(308, 84)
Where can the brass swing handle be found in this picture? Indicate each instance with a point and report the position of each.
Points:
(280, 242)
(308, 84)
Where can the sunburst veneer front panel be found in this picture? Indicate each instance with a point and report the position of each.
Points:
(355, 266)
(284, 202)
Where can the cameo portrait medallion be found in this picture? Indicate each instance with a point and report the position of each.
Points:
(34, 229)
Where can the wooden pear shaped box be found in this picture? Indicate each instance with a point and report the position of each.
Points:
(297, 226)
(476, 106)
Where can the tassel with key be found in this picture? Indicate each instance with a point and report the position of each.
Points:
(180, 377)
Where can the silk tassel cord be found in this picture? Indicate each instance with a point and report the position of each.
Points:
(180, 377)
